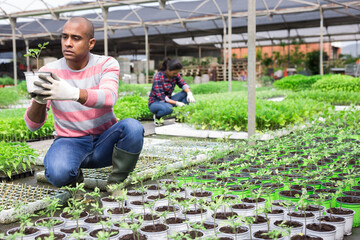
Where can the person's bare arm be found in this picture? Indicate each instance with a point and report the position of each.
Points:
(37, 112)
(83, 96)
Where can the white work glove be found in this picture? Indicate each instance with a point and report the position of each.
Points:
(179, 104)
(39, 98)
(190, 97)
(56, 89)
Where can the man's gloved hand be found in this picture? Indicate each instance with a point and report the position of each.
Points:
(56, 89)
(180, 104)
(38, 98)
(190, 97)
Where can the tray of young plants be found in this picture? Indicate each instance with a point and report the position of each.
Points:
(16, 160)
(17, 199)
(311, 175)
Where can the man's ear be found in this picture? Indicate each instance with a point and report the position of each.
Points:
(91, 43)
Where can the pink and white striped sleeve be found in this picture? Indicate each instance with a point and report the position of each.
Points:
(107, 94)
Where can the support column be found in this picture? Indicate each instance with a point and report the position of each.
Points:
(27, 58)
(321, 41)
(13, 26)
(199, 54)
(224, 46)
(105, 14)
(147, 54)
(251, 67)
(230, 41)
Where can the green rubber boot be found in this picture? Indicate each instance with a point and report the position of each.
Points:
(123, 163)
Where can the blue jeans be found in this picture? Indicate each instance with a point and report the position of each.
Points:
(67, 155)
(161, 109)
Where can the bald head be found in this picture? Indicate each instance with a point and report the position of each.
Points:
(84, 21)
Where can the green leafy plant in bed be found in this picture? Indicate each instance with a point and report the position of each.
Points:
(297, 82)
(8, 96)
(339, 82)
(15, 157)
(132, 107)
(222, 113)
(333, 97)
(13, 127)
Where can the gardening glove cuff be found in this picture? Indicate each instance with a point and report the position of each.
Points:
(190, 97)
(57, 89)
(39, 99)
(179, 104)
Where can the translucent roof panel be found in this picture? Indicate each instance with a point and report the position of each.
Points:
(199, 20)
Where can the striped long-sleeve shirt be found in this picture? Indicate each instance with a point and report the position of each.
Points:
(100, 78)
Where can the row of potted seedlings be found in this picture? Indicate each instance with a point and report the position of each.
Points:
(169, 210)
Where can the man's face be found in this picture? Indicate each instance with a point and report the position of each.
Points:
(75, 41)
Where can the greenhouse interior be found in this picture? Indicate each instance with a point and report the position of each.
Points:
(180, 119)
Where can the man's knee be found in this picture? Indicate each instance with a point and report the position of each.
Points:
(60, 176)
(133, 126)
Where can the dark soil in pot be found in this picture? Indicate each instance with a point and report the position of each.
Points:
(226, 197)
(196, 211)
(118, 210)
(299, 188)
(154, 187)
(208, 225)
(93, 233)
(181, 199)
(326, 190)
(139, 203)
(237, 188)
(242, 206)
(339, 211)
(251, 182)
(135, 194)
(262, 235)
(45, 220)
(149, 217)
(132, 237)
(68, 216)
(175, 189)
(298, 214)
(166, 208)
(58, 236)
(106, 199)
(311, 208)
(71, 230)
(201, 194)
(305, 237)
(276, 211)
(27, 231)
(96, 219)
(224, 215)
(321, 227)
(239, 175)
(352, 193)
(159, 227)
(174, 220)
(253, 200)
(159, 196)
(206, 177)
(331, 219)
(290, 193)
(227, 179)
(194, 234)
(348, 200)
(356, 188)
(292, 224)
(230, 230)
(259, 219)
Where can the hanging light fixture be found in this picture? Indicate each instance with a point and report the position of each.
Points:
(162, 4)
